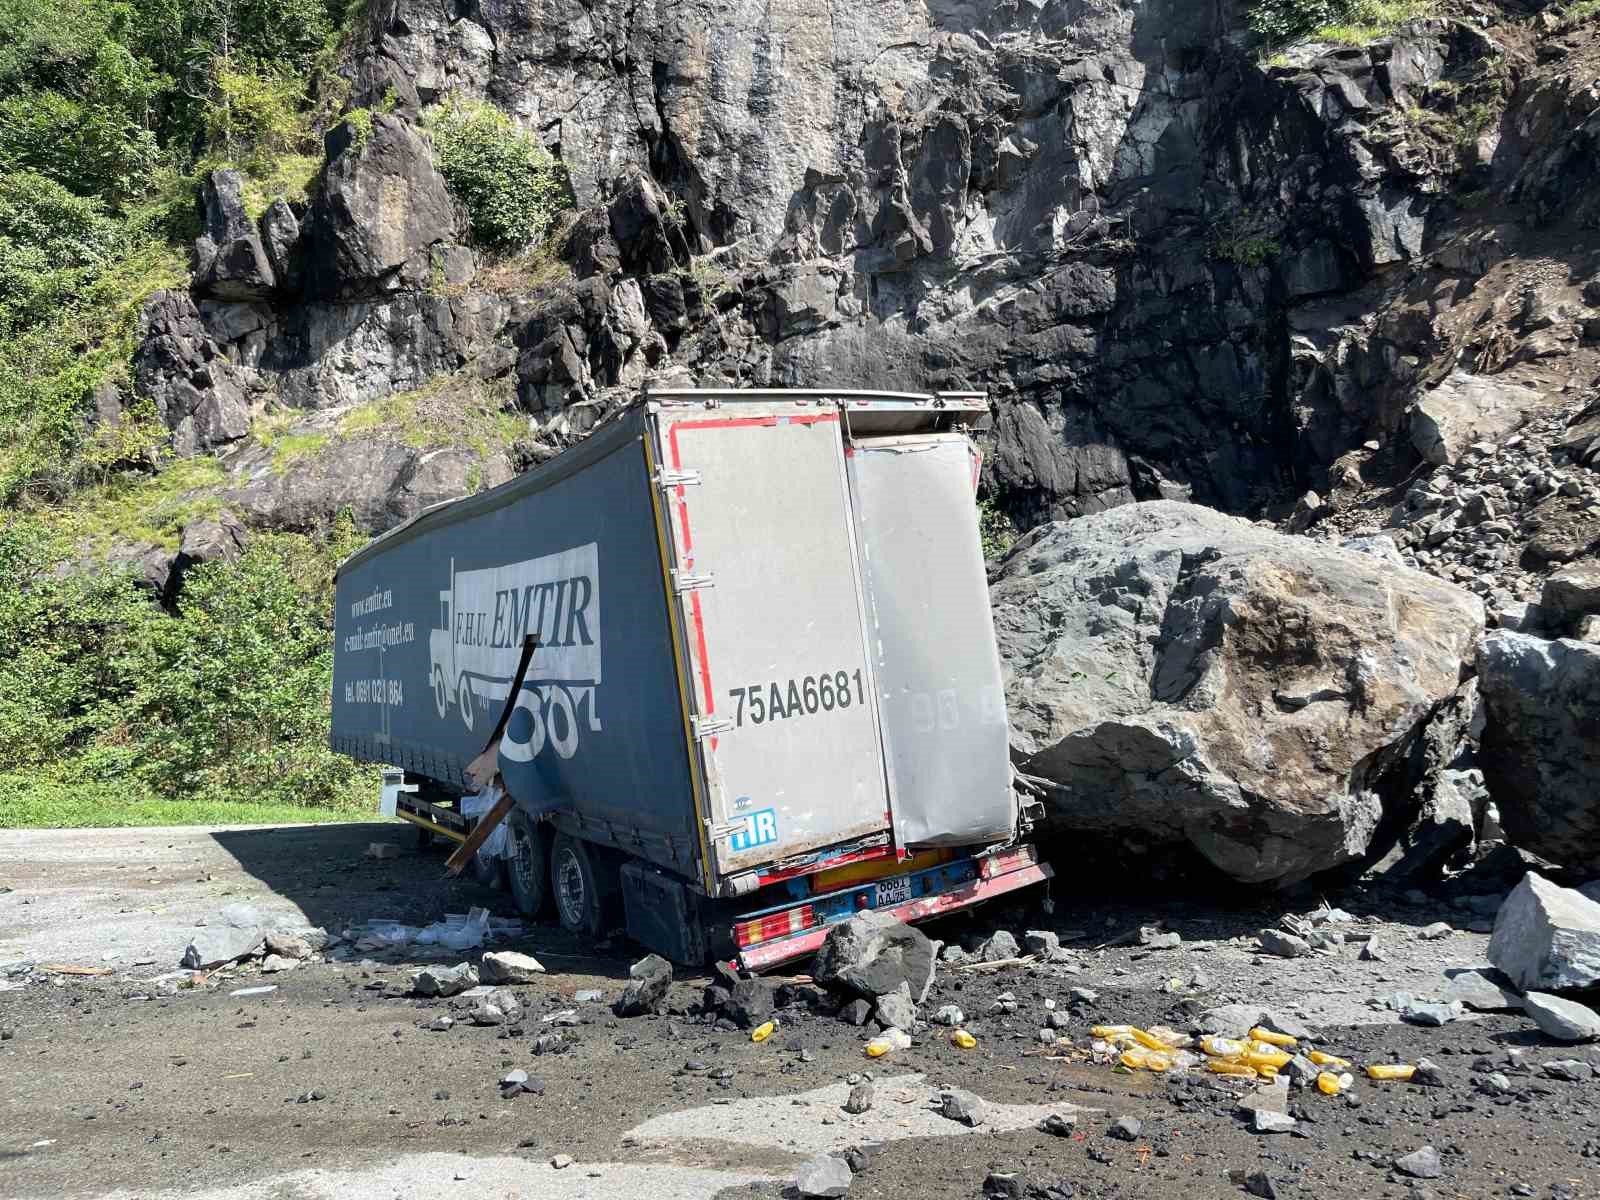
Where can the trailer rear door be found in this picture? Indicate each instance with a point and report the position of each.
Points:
(932, 636)
(770, 599)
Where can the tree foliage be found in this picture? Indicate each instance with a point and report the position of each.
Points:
(227, 700)
(511, 186)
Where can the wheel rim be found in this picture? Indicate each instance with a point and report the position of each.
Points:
(570, 891)
(522, 856)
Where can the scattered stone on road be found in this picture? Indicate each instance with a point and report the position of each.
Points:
(896, 1010)
(444, 981)
(1266, 1121)
(648, 982)
(507, 966)
(1546, 937)
(1126, 1129)
(823, 1176)
(232, 934)
(1569, 1070)
(949, 1014)
(1059, 1124)
(859, 1100)
(499, 1007)
(998, 947)
(1230, 1020)
(273, 963)
(1439, 929)
(1477, 988)
(1274, 1097)
(962, 1106)
(1284, 945)
(382, 850)
(561, 1161)
(1564, 1020)
(872, 954)
(1428, 1012)
(1420, 1164)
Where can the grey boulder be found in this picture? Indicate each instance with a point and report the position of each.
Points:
(1480, 989)
(444, 981)
(1547, 937)
(507, 966)
(237, 931)
(1420, 1164)
(1540, 754)
(872, 954)
(648, 981)
(823, 1176)
(896, 1010)
(1563, 1020)
(1199, 679)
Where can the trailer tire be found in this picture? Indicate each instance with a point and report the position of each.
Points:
(424, 836)
(584, 887)
(528, 865)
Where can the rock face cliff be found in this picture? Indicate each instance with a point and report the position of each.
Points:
(1182, 271)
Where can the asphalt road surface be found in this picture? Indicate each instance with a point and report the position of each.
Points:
(332, 1085)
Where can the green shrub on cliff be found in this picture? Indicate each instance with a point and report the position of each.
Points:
(511, 186)
(1278, 21)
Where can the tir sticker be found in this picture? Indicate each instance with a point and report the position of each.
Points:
(760, 828)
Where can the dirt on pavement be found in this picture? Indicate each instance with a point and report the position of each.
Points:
(331, 1085)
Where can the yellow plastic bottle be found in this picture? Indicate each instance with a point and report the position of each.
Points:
(963, 1039)
(878, 1047)
(762, 1032)
(1149, 1041)
(1392, 1071)
(1223, 1066)
(1221, 1047)
(1107, 1032)
(1273, 1039)
(1330, 1084)
(1323, 1059)
(1140, 1059)
(1265, 1058)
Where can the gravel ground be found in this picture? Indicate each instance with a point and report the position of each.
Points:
(199, 1093)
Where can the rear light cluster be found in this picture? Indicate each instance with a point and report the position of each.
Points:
(775, 925)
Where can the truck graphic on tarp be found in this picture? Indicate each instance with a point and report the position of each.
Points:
(483, 617)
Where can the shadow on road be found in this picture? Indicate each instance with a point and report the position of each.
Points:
(324, 871)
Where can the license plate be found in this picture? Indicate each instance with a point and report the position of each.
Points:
(893, 891)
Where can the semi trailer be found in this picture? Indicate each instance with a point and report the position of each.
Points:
(764, 692)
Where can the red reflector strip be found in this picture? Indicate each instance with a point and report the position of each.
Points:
(775, 925)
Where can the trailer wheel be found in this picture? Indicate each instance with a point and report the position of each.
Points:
(424, 836)
(579, 878)
(528, 866)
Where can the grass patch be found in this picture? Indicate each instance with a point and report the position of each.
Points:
(1348, 22)
(28, 802)
(1581, 11)
(143, 508)
(448, 410)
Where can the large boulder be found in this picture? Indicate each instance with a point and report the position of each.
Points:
(1195, 678)
(382, 210)
(1464, 409)
(872, 954)
(1541, 743)
(1547, 937)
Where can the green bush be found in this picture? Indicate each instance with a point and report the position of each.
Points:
(1278, 21)
(228, 701)
(511, 186)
